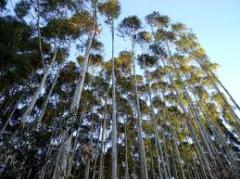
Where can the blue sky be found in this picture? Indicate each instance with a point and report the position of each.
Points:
(215, 22)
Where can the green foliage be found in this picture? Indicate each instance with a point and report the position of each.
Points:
(110, 9)
(129, 26)
(184, 119)
(146, 60)
(22, 8)
(157, 20)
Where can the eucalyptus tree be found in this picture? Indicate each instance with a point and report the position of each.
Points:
(164, 36)
(189, 46)
(18, 55)
(111, 9)
(125, 111)
(129, 27)
(146, 62)
(174, 117)
(185, 45)
(46, 69)
(86, 22)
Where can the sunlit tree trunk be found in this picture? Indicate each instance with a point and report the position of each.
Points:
(39, 89)
(88, 162)
(44, 106)
(63, 166)
(153, 118)
(144, 172)
(103, 141)
(114, 111)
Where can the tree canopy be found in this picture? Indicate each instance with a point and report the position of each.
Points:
(156, 110)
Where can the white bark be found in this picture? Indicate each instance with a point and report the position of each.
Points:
(144, 172)
(63, 164)
(37, 93)
(114, 111)
(44, 106)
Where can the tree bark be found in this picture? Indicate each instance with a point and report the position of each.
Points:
(36, 95)
(44, 106)
(114, 120)
(144, 172)
(63, 166)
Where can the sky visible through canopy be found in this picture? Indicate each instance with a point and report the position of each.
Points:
(215, 22)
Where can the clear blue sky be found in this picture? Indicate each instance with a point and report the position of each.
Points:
(216, 23)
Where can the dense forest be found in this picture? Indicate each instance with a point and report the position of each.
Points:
(154, 111)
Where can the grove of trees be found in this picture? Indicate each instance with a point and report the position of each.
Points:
(154, 111)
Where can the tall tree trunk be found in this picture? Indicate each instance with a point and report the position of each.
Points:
(39, 89)
(152, 159)
(126, 176)
(8, 119)
(44, 106)
(103, 141)
(63, 166)
(96, 160)
(88, 163)
(114, 120)
(154, 123)
(175, 147)
(144, 172)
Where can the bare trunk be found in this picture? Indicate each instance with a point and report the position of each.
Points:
(144, 172)
(44, 106)
(63, 164)
(36, 95)
(154, 123)
(87, 168)
(79, 87)
(103, 142)
(8, 120)
(126, 152)
(114, 120)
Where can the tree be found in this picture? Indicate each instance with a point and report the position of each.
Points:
(129, 27)
(111, 10)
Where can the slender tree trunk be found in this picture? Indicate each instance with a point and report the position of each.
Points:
(87, 168)
(114, 120)
(175, 147)
(156, 135)
(8, 120)
(39, 89)
(225, 89)
(144, 172)
(173, 164)
(79, 87)
(126, 152)
(103, 141)
(63, 166)
(152, 159)
(44, 106)
(96, 160)
(2, 91)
